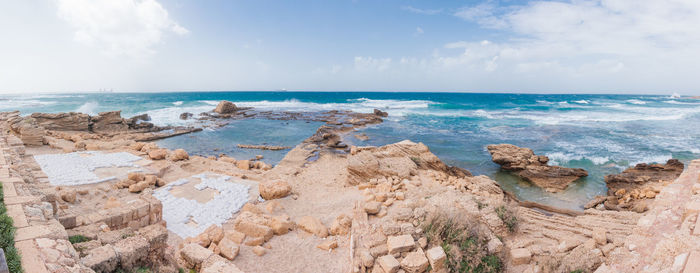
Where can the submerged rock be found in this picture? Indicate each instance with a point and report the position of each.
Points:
(525, 163)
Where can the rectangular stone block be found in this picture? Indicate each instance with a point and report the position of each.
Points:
(16, 212)
(21, 200)
(8, 189)
(68, 221)
(31, 259)
(31, 232)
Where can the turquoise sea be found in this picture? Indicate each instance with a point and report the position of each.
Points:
(601, 133)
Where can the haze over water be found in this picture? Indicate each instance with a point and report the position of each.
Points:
(601, 133)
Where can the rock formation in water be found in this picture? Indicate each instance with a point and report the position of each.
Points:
(636, 187)
(524, 163)
(225, 107)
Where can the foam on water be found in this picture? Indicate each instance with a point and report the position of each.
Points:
(89, 108)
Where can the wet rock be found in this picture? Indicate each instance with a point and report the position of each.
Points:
(533, 168)
(380, 113)
(636, 187)
(225, 107)
(185, 116)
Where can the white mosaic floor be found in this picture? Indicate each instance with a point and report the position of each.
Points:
(179, 213)
(78, 168)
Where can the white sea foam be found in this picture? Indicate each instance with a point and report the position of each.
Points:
(177, 103)
(582, 101)
(171, 115)
(655, 158)
(178, 212)
(89, 108)
(78, 168)
(634, 101)
(13, 104)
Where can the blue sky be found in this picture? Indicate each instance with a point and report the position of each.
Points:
(578, 46)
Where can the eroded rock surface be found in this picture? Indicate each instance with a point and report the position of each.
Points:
(525, 163)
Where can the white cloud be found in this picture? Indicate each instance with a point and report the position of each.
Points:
(419, 31)
(119, 27)
(372, 64)
(421, 11)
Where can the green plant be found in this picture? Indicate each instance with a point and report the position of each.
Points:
(507, 217)
(78, 239)
(7, 238)
(466, 251)
(416, 160)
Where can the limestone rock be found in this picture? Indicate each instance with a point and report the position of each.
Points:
(397, 244)
(600, 236)
(101, 259)
(388, 263)
(63, 121)
(225, 107)
(414, 262)
(243, 164)
(341, 225)
(215, 233)
(533, 168)
(274, 189)
(194, 254)
(520, 256)
(109, 122)
(252, 225)
(258, 250)
(372, 207)
(132, 251)
(312, 225)
(436, 257)
(228, 248)
(180, 154)
(68, 195)
(328, 244)
(157, 154)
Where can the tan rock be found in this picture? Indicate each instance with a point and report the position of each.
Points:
(600, 236)
(414, 262)
(194, 254)
(251, 208)
(520, 256)
(252, 225)
(401, 243)
(157, 154)
(436, 256)
(254, 241)
(101, 259)
(273, 206)
(243, 164)
(136, 176)
(235, 236)
(215, 233)
(341, 225)
(138, 187)
(180, 154)
(372, 207)
(68, 195)
(203, 239)
(280, 225)
(225, 107)
(328, 244)
(388, 263)
(313, 226)
(258, 250)
(274, 189)
(228, 248)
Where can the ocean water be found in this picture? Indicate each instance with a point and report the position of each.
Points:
(603, 134)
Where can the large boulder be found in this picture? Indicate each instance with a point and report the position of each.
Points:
(63, 121)
(524, 163)
(274, 189)
(225, 107)
(401, 159)
(109, 122)
(636, 187)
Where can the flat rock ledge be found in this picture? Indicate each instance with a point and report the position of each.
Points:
(533, 168)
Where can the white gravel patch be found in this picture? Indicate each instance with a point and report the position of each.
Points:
(178, 211)
(78, 168)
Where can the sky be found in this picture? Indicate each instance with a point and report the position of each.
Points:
(575, 46)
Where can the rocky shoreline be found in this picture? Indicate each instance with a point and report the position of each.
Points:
(326, 207)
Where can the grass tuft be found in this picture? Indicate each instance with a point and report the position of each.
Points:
(507, 217)
(7, 238)
(78, 239)
(466, 251)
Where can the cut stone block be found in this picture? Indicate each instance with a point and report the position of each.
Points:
(397, 244)
(520, 256)
(388, 263)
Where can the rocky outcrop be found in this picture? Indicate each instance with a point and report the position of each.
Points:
(524, 163)
(636, 187)
(381, 113)
(109, 122)
(225, 107)
(63, 121)
(185, 116)
(401, 159)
